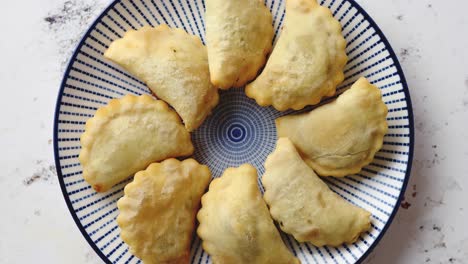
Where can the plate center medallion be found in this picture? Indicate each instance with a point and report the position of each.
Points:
(238, 131)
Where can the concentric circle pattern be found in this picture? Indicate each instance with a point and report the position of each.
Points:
(238, 131)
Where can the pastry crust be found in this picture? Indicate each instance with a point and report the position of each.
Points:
(307, 62)
(235, 224)
(304, 205)
(157, 212)
(127, 135)
(339, 138)
(239, 34)
(173, 64)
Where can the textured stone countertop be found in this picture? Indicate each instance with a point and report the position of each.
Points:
(429, 36)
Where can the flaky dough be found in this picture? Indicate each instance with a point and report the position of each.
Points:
(173, 64)
(235, 224)
(239, 35)
(339, 138)
(126, 136)
(157, 212)
(304, 206)
(307, 62)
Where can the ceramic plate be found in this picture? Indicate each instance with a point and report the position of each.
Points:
(239, 131)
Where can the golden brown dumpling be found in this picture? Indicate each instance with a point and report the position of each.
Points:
(307, 61)
(339, 138)
(173, 64)
(235, 224)
(126, 136)
(239, 34)
(157, 212)
(303, 204)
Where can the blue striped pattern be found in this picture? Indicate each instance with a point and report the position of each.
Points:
(238, 131)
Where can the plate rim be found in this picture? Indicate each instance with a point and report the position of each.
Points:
(355, 5)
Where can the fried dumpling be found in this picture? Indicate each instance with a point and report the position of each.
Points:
(173, 64)
(303, 204)
(235, 224)
(157, 212)
(339, 138)
(239, 34)
(126, 136)
(307, 62)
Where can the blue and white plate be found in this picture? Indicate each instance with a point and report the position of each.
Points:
(239, 131)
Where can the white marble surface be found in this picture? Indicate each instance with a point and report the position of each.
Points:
(430, 37)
